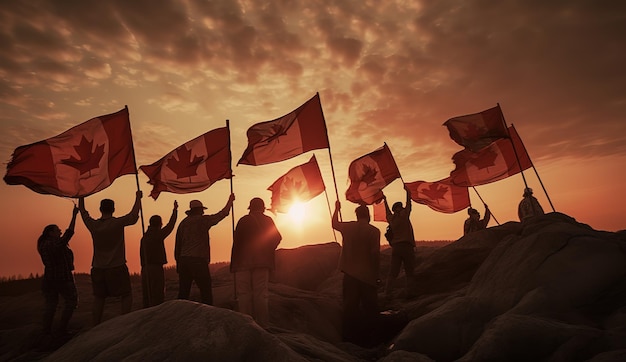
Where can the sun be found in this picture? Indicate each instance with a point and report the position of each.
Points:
(297, 212)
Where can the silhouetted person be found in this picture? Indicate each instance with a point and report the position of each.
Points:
(255, 240)
(153, 257)
(402, 244)
(193, 251)
(529, 206)
(474, 222)
(109, 273)
(58, 279)
(359, 263)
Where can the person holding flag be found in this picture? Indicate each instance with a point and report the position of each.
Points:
(474, 222)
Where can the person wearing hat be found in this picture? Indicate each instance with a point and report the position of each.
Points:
(252, 258)
(192, 249)
(474, 222)
(529, 206)
(109, 273)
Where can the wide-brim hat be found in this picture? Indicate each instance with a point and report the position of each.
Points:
(196, 204)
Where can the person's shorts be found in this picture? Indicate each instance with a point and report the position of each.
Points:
(110, 282)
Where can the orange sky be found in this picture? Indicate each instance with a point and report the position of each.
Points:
(390, 72)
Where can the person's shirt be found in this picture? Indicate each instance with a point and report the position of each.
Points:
(192, 235)
(152, 248)
(108, 239)
(400, 224)
(57, 257)
(360, 251)
(529, 207)
(255, 240)
(471, 225)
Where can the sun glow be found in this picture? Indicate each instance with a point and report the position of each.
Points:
(297, 212)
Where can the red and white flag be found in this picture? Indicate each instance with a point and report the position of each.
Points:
(81, 161)
(300, 184)
(494, 162)
(193, 166)
(380, 211)
(300, 131)
(442, 196)
(477, 131)
(369, 174)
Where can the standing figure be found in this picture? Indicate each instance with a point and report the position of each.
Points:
(58, 279)
(474, 222)
(193, 250)
(529, 206)
(359, 262)
(402, 244)
(255, 240)
(153, 257)
(109, 273)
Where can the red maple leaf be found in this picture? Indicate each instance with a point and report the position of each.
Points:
(87, 160)
(369, 174)
(435, 191)
(485, 159)
(184, 166)
(291, 189)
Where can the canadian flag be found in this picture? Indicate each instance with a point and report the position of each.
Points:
(476, 131)
(442, 195)
(80, 161)
(193, 166)
(369, 174)
(301, 183)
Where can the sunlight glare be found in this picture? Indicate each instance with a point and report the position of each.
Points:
(297, 212)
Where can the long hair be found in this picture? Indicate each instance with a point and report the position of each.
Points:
(44, 234)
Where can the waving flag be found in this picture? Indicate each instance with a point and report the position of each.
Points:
(380, 212)
(301, 183)
(193, 166)
(442, 196)
(476, 131)
(79, 162)
(300, 131)
(369, 174)
(494, 162)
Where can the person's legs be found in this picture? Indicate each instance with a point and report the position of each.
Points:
(118, 284)
(394, 269)
(145, 288)
(126, 303)
(157, 285)
(350, 304)
(70, 295)
(97, 309)
(184, 280)
(98, 284)
(260, 296)
(244, 291)
(202, 276)
(51, 300)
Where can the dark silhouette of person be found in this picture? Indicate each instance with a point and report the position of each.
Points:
(109, 273)
(255, 241)
(193, 251)
(474, 222)
(153, 257)
(529, 206)
(359, 262)
(58, 277)
(402, 244)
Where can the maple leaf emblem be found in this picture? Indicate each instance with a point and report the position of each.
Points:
(369, 174)
(184, 166)
(486, 159)
(435, 192)
(87, 160)
(291, 189)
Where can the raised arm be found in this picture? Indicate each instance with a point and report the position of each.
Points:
(73, 221)
(408, 199)
(388, 212)
(487, 217)
(170, 224)
(81, 207)
(335, 221)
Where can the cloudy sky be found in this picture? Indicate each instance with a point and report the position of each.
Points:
(386, 71)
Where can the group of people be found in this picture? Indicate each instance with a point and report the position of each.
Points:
(254, 243)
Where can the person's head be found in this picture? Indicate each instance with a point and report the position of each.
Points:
(51, 230)
(257, 205)
(155, 221)
(528, 191)
(107, 206)
(397, 206)
(473, 213)
(195, 208)
(362, 213)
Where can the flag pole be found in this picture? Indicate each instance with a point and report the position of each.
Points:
(483, 201)
(232, 207)
(536, 173)
(519, 164)
(330, 156)
(330, 213)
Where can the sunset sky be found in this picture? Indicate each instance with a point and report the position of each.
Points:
(386, 71)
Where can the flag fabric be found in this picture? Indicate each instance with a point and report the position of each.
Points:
(300, 131)
(380, 212)
(193, 166)
(477, 131)
(442, 195)
(369, 174)
(301, 183)
(494, 162)
(79, 162)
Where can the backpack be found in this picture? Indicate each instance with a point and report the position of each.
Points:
(389, 233)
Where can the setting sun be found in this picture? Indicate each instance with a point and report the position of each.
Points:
(297, 213)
